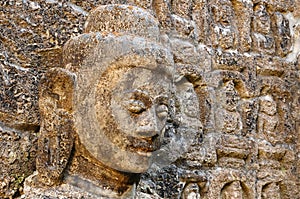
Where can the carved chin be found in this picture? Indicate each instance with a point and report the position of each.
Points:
(117, 158)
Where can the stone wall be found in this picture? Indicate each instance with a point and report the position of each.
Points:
(242, 58)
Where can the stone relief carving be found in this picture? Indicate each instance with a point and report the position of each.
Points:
(271, 190)
(235, 152)
(227, 113)
(268, 119)
(262, 31)
(228, 120)
(103, 116)
(191, 191)
(232, 190)
(228, 183)
(224, 28)
(282, 34)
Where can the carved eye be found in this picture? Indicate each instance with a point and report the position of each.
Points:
(162, 111)
(136, 106)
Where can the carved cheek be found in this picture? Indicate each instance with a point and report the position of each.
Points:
(125, 121)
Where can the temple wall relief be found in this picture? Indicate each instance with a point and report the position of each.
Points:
(189, 99)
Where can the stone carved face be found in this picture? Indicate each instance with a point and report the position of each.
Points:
(131, 108)
(114, 100)
(139, 108)
(119, 82)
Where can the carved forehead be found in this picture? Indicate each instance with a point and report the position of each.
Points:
(98, 52)
(141, 79)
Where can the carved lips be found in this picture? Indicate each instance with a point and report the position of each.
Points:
(144, 145)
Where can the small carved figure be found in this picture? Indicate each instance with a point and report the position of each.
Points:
(271, 190)
(224, 26)
(232, 190)
(268, 120)
(103, 116)
(228, 119)
(191, 191)
(262, 24)
(283, 33)
(243, 10)
(262, 32)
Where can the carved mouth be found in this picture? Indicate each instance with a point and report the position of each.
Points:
(143, 145)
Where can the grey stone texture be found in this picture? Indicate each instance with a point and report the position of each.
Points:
(235, 128)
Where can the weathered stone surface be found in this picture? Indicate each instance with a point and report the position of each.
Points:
(233, 131)
(18, 96)
(18, 153)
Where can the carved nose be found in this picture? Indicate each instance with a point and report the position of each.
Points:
(147, 125)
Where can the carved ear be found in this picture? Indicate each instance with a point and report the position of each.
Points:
(56, 89)
(56, 137)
